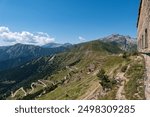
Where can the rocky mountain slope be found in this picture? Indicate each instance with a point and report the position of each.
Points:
(124, 42)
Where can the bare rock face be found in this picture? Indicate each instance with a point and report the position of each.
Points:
(125, 42)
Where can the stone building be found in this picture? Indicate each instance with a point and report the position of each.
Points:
(143, 26)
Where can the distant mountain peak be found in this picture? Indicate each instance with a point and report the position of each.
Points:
(115, 37)
(125, 42)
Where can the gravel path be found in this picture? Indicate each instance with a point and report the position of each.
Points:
(120, 93)
(21, 89)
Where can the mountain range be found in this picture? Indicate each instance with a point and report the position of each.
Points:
(70, 72)
(12, 56)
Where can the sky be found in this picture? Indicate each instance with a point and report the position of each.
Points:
(40, 22)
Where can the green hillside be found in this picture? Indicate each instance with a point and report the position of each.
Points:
(72, 74)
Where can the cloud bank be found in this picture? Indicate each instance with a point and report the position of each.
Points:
(7, 37)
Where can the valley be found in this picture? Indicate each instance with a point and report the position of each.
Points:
(73, 74)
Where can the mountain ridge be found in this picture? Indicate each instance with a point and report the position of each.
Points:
(23, 53)
(126, 43)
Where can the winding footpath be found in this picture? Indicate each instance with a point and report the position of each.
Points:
(120, 93)
(44, 85)
(123, 80)
(21, 89)
(41, 83)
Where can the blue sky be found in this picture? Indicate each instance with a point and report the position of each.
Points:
(67, 20)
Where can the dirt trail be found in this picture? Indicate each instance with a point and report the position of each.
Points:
(122, 80)
(120, 93)
(52, 58)
(32, 88)
(21, 89)
(44, 85)
(147, 79)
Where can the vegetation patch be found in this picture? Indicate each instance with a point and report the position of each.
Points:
(135, 86)
(105, 82)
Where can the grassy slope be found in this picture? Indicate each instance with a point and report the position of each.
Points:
(95, 53)
(135, 86)
(78, 81)
(76, 89)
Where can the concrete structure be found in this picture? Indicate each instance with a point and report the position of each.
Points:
(143, 26)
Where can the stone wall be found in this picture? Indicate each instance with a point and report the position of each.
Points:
(144, 27)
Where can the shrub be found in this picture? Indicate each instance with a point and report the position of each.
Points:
(105, 82)
(124, 55)
(135, 53)
(124, 68)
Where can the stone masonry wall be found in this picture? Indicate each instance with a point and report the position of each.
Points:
(143, 25)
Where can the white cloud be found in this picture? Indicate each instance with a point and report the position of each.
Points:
(4, 29)
(81, 39)
(7, 37)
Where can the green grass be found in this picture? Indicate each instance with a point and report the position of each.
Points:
(75, 89)
(58, 76)
(135, 74)
(111, 95)
(113, 62)
(72, 90)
